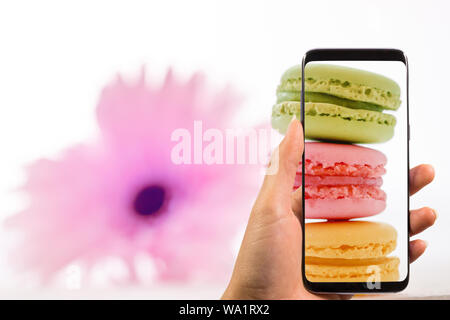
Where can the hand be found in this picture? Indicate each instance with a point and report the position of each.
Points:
(269, 264)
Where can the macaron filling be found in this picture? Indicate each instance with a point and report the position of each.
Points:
(349, 262)
(336, 181)
(291, 108)
(343, 169)
(344, 192)
(326, 98)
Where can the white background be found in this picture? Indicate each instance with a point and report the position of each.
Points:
(55, 56)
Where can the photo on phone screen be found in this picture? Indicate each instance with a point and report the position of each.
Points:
(355, 181)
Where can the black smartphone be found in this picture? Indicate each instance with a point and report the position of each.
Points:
(355, 170)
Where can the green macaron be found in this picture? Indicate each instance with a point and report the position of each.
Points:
(341, 104)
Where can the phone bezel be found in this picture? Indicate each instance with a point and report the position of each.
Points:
(353, 55)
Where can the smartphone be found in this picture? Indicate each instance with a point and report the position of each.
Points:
(355, 170)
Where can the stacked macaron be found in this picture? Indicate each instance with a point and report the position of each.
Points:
(341, 103)
(350, 251)
(343, 181)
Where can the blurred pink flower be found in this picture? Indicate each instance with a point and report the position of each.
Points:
(122, 195)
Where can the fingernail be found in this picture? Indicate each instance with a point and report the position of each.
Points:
(289, 129)
(426, 243)
(290, 123)
(436, 214)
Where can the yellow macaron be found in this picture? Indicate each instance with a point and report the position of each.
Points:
(349, 239)
(350, 251)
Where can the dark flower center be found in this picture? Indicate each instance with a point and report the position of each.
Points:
(149, 200)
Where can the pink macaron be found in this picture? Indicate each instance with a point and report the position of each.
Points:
(342, 181)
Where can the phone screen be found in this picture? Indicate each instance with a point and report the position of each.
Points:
(354, 175)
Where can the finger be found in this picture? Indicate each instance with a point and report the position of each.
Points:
(296, 202)
(421, 219)
(419, 177)
(280, 177)
(334, 296)
(416, 249)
